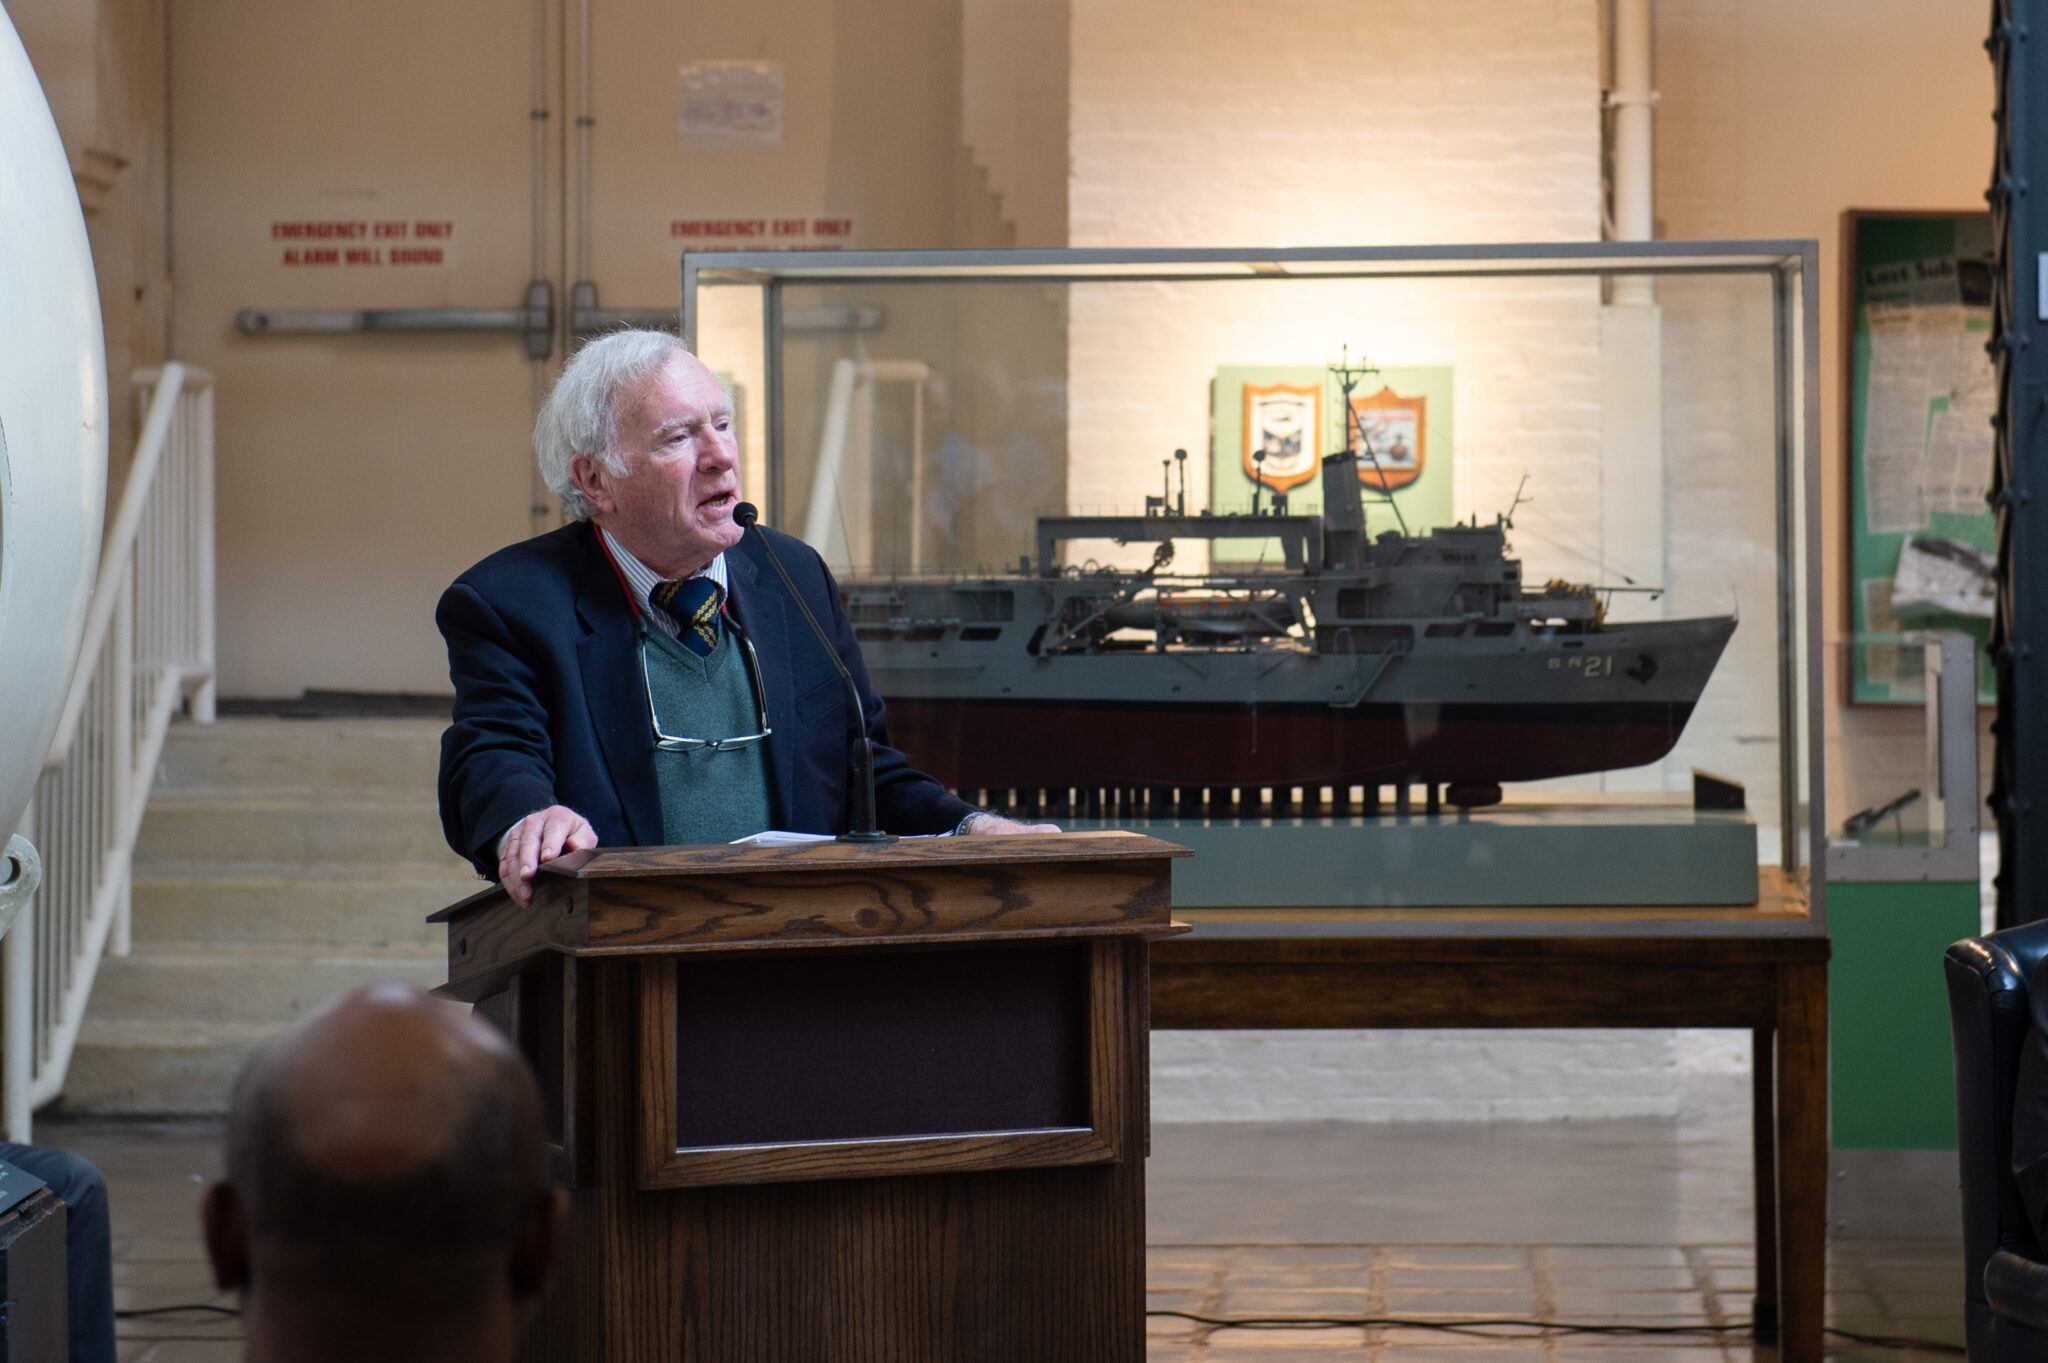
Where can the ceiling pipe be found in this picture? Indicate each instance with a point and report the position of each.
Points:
(1632, 153)
(584, 124)
(540, 502)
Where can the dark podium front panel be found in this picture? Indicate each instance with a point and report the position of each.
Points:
(765, 1067)
(898, 1042)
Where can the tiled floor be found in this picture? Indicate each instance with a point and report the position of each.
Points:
(1635, 1223)
(1696, 1298)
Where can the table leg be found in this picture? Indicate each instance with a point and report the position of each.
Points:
(1802, 1103)
(1763, 1122)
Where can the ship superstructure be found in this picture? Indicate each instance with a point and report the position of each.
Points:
(1355, 660)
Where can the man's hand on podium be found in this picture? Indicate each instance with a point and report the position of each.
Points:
(980, 824)
(539, 837)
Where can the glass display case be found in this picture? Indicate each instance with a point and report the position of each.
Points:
(1444, 577)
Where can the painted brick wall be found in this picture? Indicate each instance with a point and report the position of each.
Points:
(1232, 124)
(1241, 122)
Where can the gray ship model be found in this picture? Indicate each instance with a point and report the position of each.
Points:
(1356, 661)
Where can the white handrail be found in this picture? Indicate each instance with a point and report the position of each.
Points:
(118, 549)
(149, 651)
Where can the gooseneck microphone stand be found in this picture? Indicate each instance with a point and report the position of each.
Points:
(747, 517)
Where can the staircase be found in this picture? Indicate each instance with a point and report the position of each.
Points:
(282, 862)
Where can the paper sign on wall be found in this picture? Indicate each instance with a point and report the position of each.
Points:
(729, 104)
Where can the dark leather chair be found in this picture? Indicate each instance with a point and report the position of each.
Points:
(2005, 1283)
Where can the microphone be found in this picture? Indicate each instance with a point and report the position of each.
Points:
(747, 517)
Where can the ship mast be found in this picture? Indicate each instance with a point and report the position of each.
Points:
(1348, 376)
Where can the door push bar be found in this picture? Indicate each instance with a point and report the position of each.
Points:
(535, 320)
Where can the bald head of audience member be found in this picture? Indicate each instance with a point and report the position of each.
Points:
(386, 1192)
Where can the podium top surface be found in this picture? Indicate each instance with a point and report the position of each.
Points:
(936, 854)
(824, 856)
(728, 859)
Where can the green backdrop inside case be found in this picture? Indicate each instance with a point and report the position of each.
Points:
(1920, 455)
(1312, 392)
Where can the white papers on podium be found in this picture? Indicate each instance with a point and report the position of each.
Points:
(777, 837)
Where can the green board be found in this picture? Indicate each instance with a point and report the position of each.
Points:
(1920, 461)
(1301, 412)
(1890, 1062)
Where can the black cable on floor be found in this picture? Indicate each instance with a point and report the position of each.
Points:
(134, 1311)
(1488, 1329)
(1899, 1342)
(1482, 1329)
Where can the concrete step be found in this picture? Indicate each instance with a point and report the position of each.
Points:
(153, 1068)
(297, 828)
(337, 906)
(250, 985)
(247, 754)
(282, 862)
(169, 1029)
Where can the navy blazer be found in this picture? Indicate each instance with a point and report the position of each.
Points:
(550, 707)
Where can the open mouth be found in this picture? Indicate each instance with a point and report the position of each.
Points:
(722, 502)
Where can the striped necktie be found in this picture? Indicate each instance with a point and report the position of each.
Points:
(695, 604)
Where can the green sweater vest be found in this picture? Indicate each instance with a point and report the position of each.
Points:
(707, 796)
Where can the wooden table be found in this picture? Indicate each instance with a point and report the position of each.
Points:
(1762, 968)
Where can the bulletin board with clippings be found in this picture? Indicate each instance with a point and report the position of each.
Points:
(1920, 393)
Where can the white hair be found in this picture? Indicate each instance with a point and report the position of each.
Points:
(581, 415)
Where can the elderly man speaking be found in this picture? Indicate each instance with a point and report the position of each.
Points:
(640, 676)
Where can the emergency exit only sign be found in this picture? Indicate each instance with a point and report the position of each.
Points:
(364, 243)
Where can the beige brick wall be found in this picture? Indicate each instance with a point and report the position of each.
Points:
(1222, 122)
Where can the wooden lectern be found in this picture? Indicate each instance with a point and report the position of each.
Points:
(834, 1102)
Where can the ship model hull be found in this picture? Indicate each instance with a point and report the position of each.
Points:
(1355, 661)
(988, 746)
(1542, 706)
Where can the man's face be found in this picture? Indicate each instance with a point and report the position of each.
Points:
(673, 506)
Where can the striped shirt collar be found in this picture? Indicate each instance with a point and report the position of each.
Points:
(642, 580)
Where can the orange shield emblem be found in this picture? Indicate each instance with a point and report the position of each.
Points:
(1283, 434)
(1388, 432)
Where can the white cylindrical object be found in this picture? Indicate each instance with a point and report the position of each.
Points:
(53, 427)
(1633, 156)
